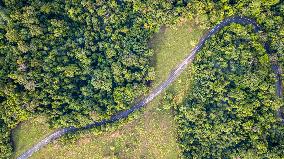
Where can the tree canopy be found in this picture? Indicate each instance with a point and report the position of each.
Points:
(75, 61)
(231, 108)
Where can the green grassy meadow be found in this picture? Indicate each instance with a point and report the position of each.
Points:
(152, 135)
(28, 133)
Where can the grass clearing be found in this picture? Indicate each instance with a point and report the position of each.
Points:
(28, 133)
(152, 135)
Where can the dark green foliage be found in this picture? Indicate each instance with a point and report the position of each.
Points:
(75, 61)
(230, 111)
(82, 60)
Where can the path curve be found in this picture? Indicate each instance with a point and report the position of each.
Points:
(174, 74)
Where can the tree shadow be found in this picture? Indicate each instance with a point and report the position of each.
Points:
(155, 41)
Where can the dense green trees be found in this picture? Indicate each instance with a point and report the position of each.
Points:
(82, 60)
(75, 61)
(230, 112)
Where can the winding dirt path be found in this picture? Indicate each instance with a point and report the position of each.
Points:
(165, 84)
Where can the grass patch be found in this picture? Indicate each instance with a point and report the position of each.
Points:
(28, 133)
(152, 135)
(171, 46)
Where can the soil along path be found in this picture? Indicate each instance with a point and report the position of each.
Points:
(175, 73)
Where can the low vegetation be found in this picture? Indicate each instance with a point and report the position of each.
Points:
(28, 133)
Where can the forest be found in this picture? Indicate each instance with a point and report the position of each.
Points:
(79, 61)
(231, 108)
(76, 61)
